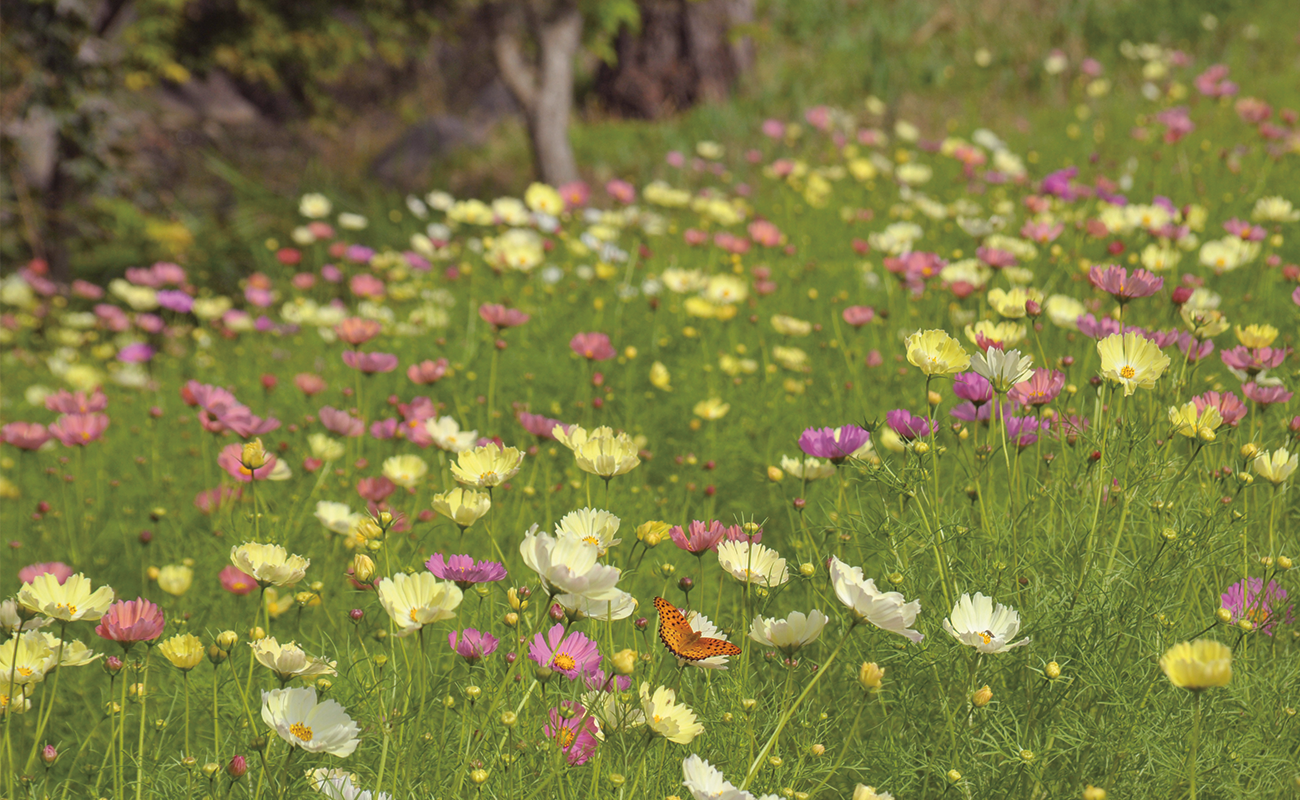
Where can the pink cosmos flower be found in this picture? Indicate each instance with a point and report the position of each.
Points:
(341, 422)
(1177, 122)
(1256, 360)
(79, 430)
(1115, 281)
(383, 429)
(836, 444)
(773, 128)
(973, 387)
(427, 371)
(25, 435)
(575, 194)
(309, 383)
(1194, 349)
(472, 645)
(1230, 407)
(1244, 230)
(357, 330)
(1265, 395)
(574, 731)
(592, 346)
(1041, 388)
(58, 569)
(239, 419)
(983, 414)
(87, 290)
(764, 233)
(541, 426)
(995, 258)
(376, 490)
(598, 681)
(464, 570)
(367, 285)
(1253, 111)
(704, 536)
(620, 190)
(212, 500)
(236, 581)
(229, 460)
(571, 656)
(65, 402)
(1024, 430)
(857, 316)
(695, 236)
(129, 621)
(1263, 607)
(907, 425)
(370, 363)
(499, 317)
(1041, 232)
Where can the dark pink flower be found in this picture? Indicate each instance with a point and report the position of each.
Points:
(129, 621)
(704, 536)
(857, 316)
(376, 490)
(464, 570)
(572, 656)
(1115, 281)
(1253, 361)
(383, 429)
(574, 731)
(592, 346)
(973, 387)
(236, 581)
(1244, 230)
(1263, 607)
(58, 569)
(341, 422)
(907, 425)
(472, 645)
(79, 430)
(498, 316)
(25, 435)
(1041, 388)
(1265, 395)
(836, 444)
(427, 371)
(370, 363)
(1023, 431)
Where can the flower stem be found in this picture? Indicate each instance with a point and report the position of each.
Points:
(1195, 737)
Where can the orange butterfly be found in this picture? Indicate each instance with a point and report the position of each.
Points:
(682, 641)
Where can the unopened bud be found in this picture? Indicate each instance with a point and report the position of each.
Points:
(511, 619)
(257, 633)
(1091, 792)
(1052, 670)
(479, 776)
(1223, 615)
(211, 769)
(363, 568)
(981, 697)
(1284, 562)
(921, 448)
(49, 755)
(226, 640)
(817, 750)
(237, 767)
(870, 675)
(774, 474)
(953, 776)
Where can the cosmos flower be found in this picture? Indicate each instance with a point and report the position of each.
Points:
(236, 581)
(464, 571)
(575, 731)
(462, 506)
(668, 718)
(1277, 466)
(1131, 361)
(413, 601)
(935, 353)
(487, 466)
(601, 451)
(540, 426)
(302, 721)
(592, 346)
(706, 782)
(789, 634)
(370, 363)
(1244, 600)
(427, 371)
(807, 468)
(972, 387)
(703, 626)
(472, 645)
(185, 651)
(907, 425)
(1231, 409)
(567, 565)
(888, 611)
(288, 661)
(1002, 369)
(1197, 665)
(835, 444)
(25, 435)
(58, 569)
(593, 526)
(66, 600)
(1117, 282)
(405, 470)
(1040, 389)
(704, 536)
(269, 564)
(977, 622)
(572, 655)
(752, 563)
(79, 430)
(499, 317)
(129, 621)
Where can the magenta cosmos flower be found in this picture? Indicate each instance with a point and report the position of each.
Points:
(1115, 281)
(370, 363)
(598, 681)
(592, 346)
(236, 581)
(907, 425)
(704, 536)
(129, 621)
(1252, 361)
(79, 430)
(574, 731)
(1265, 609)
(341, 422)
(572, 656)
(1041, 388)
(472, 645)
(1265, 395)
(1230, 407)
(498, 316)
(541, 426)
(973, 387)
(464, 570)
(836, 444)
(58, 569)
(25, 435)
(427, 371)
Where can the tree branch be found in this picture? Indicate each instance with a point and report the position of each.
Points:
(518, 74)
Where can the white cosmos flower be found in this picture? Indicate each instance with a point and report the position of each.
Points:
(336, 517)
(405, 470)
(269, 564)
(611, 606)
(886, 610)
(706, 782)
(592, 525)
(978, 622)
(340, 785)
(668, 718)
(303, 722)
(567, 565)
(808, 468)
(789, 634)
(707, 630)
(413, 601)
(289, 661)
(861, 792)
(753, 563)
(12, 621)
(446, 433)
(1003, 369)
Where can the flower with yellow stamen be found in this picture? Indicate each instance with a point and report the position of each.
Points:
(253, 456)
(405, 470)
(1131, 360)
(1277, 466)
(289, 661)
(269, 564)
(413, 601)
(1010, 303)
(487, 466)
(184, 650)
(302, 721)
(1005, 333)
(666, 717)
(1197, 665)
(462, 506)
(936, 353)
(70, 601)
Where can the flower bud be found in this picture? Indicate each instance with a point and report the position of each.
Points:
(324, 685)
(921, 448)
(112, 665)
(981, 697)
(253, 456)
(1091, 792)
(49, 755)
(226, 640)
(216, 655)
(473, 692)
(748, 704)
(237, 767)
(807, 569)
(953, 776)
(870, 675)
(641, 623)
(817, 750)
(210, 769)
(511, 619)
(1052, 670)
(509, 719)
(667, 570)
(774, 474)
(625, 661)
(257, 633)
(616, 780)
(556, 612)
(363, 568)
(356, 614)
(189, 762)
(652, 533)
(1223, 615)
(479, 776)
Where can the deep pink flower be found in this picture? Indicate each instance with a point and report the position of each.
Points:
(1041, 388)
(472, 645)
(907, 425)
(773, 128)
(969, 412)
(25, 435)
(836, 444)
(383, 429)
(376, 490)
(427, 371)
(229, 460)
(341, 422)
(1194, 349)
(571, 656)
(592, 346)
(236, 581)
(1115, 281)
(1265, 395)
(704, 536)
(857, 316)
(498, 316)
(1024, 430)
(1244, 230)
(598, 681)
(973, 387)
(79, 430)
(136, 353)
(129, 621)
(1263, 608)
(1253, 361)
(357, 330)
(1230, 407)
(574, 731)
(244, 423)
(58, 569)
(464, 570)
(370, 363)
(995, 258)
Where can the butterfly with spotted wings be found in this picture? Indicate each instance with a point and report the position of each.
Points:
(676, 634)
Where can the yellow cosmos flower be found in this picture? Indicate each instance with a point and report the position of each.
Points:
(1011, 303)
(1190, 423)
(175, 579)
(185, 651)
(1256, 335)
(543, 198)
(70, 601)
(405, 471)
(1277, 466)
(462, 506)
(1007, 334)
(792, 358)
(725, 289)
(601, 451)
(668, 718)
(1197, 665)
(660, 377)
(789, 326)
(934, 352)
(711, 409)
(487, 466)
(1132, 361)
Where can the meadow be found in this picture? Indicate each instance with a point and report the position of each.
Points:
(961, 469)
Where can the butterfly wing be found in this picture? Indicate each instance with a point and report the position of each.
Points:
(682, 641)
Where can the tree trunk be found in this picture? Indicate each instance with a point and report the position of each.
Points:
(543, 89)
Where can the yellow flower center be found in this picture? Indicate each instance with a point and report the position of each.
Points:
(412, 615)
(72, 609)
(25, 671)
(1127, 371)
(565, 737)
(487, 478)
(986, 636)
(301, 731)
(1256, 615)
(658, 719)
(591, 540)
(564, 661)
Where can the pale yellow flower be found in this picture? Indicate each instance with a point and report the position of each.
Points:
(413, 601)
(405, 470)
(289, 661)
(660, 378)
(1132, 361)
(487, 466)
(184, 650)
(175, 579)
(1204, 323)
(789, 326)
(1197, 665)
(1256, 335)
(70, 601)
(1277, 466)
(1011, 303)
(1187, 421)
(934, 352)
(712, 409)
(269, 564)
(462, 506)
(1005, 333)
(543, 198)
(601, 451)
(666, 717)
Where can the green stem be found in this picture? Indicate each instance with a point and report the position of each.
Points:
(144, 699)
(1195, 736)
